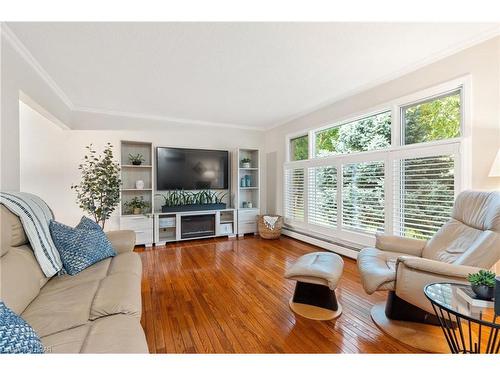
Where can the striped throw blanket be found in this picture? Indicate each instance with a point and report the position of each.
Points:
(35, 216)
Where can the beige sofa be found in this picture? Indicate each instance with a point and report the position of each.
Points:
(95, 311)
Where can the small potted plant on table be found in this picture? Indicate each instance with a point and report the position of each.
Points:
(482, 284)
(245, 163)
(136, 159)
(136, 205)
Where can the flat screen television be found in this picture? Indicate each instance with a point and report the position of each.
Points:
(191, 169)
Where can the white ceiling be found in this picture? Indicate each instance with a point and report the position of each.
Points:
(247, 74)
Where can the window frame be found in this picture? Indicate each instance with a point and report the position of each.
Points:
(349, 120)
(290, 138)
(402, 117)
(459, 145)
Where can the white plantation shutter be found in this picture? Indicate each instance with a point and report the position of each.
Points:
(424, 194)
(322, 192)
(363, 196)
(294, 194)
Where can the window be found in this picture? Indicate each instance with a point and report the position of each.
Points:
(323, 196)
(299, 148)
(366, 134)
(363, 196)
(360, 180)
(432, 120)
(294, 205)
(426, 195)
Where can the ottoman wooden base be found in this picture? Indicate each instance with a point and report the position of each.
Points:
(317, 302)
(314, 312)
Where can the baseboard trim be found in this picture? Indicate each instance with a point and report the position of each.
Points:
(326, 244)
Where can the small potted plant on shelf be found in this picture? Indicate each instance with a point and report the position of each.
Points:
(245, 162)
(482, 284)
(136, 205)
(136, 159)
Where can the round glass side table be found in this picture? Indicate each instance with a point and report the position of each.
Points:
(469, 325)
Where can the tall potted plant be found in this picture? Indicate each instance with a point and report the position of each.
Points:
(98, 192)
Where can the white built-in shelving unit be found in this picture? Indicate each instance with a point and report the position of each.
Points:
(246, 196)
(141, 223)
(155, 227)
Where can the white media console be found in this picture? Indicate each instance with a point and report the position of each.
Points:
(155, 227)
(190, 225)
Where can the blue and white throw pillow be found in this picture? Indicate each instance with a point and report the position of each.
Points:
(82, 246)
(17, 336)
(89, 224)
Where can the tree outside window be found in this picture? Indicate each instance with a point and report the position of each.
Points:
(367, 134)
(299, 148)
(432, 120)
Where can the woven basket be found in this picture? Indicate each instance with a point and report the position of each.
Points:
(265, 232)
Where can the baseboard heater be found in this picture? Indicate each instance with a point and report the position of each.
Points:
(349, 250)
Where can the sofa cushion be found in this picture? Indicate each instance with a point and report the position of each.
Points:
(54, 311)
(20, 278)
(17, 336)
(80, 247)
(95, 272)
(112, 286)
(112, 334)
(119, 293)
(123, 241)
(12, 230)
(126, 262)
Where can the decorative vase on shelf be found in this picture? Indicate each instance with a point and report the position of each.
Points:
(249, 204)
(139, 184)
(243, 182)
(248, 181)
(137, 211)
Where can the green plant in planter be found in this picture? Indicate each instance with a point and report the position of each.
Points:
(136, 159)
(246, 162)
(136, 205)
(486, 278)
(483, 284)
(183, 198)
(98, 192)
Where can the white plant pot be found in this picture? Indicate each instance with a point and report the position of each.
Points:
(139, 184)
(245, 165)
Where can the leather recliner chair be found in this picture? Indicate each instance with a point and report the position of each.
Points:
(469, 241)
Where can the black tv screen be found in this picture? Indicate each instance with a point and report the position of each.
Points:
(191, 169)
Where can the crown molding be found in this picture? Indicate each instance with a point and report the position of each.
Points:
(175, 120)
(14, 41)
(494, 32)
(21, 49)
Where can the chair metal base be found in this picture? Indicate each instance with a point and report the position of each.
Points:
(421, 336)
(317, 302)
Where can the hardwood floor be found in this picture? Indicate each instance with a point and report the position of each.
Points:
(229, 296)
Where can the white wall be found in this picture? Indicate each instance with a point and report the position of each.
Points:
(66, 147)
(50, 156)
(19, 78)
(482, 62)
